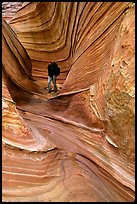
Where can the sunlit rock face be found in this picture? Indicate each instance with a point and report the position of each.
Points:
(10, 8)
(80, 144)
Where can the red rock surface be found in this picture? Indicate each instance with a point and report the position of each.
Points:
(78, 145)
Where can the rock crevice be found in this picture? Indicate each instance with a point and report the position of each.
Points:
(77, 145)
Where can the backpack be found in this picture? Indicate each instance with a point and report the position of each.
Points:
(56, 69)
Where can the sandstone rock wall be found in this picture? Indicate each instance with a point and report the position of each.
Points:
(80, 144)
(10, 8)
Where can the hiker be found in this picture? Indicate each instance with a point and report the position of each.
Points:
(52, 74)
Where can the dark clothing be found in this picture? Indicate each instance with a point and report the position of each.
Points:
(52, 69)
(51, 76)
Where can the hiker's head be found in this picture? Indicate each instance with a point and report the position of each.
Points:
(49, 61)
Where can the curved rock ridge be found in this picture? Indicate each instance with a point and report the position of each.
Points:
(15, 131)
(70, 34)
(77, 145)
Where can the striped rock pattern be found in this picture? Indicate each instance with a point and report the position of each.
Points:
(78, 145)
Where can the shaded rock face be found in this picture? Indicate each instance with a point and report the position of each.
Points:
(78, 145)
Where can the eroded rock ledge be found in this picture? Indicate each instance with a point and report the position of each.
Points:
(80, 144)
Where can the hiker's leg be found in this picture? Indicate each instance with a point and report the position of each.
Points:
(54, 83)
(49, 83)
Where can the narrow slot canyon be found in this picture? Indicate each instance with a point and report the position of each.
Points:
(76, 145)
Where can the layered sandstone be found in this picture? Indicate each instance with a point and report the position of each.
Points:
(10, 8)
(80, 144)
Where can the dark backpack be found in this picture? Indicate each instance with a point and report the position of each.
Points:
(56, 69)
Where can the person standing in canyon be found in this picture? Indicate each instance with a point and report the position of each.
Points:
(53, 72)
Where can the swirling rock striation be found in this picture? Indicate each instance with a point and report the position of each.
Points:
(79, 145)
